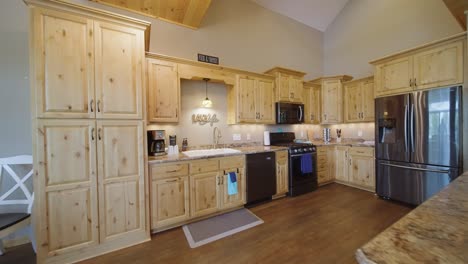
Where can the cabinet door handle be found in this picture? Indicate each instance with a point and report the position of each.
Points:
(346, 154)
(177, 112)
(411, 82)
(414, 83)
(91, 103)
(362, 152)
(172, 180)
(349, 162)
(99, 105)
(99, 134)
(92, 134)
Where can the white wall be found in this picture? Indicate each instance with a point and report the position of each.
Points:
(15, 118)
(369, 29)
(243, 35)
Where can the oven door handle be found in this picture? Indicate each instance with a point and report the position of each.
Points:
(297, 155)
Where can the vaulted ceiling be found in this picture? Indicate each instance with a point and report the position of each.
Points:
(187, 13)
(314, 13)
(458, 7)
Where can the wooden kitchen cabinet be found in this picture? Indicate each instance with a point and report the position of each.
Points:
(289, 84)
(355, 167)
(341, 161)
(119, 74)
(170, 194)
(88, 146)
(204, 193)
(359, 100)
(121, 179)
(332, 98)
(431, 65)
(163, 91)
(325, 165)
(232, 164)
(282, 173)
(362, 167)
(312, 103)
(252, 100)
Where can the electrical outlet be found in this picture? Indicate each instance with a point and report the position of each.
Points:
(236, 137)
(302, 134)
(359, 133)
(248, 136)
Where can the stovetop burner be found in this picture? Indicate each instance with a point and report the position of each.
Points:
(286, 139)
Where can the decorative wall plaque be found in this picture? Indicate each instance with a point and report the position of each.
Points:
(204, 119)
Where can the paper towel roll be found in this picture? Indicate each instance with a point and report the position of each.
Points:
(266, 138)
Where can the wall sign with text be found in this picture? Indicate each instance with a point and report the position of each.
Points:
(208, 59)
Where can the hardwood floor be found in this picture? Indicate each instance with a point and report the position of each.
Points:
(326, 226)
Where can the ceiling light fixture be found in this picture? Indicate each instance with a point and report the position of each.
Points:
(207, 102)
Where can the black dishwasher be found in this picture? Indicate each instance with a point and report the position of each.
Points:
(261, 177)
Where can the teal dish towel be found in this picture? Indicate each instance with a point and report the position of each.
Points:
(232, 183)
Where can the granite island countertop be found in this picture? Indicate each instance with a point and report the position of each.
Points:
(243, 150)
(434, 232)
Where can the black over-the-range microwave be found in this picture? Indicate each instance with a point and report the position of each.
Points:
(287, 113)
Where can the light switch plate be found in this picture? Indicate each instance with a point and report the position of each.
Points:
(248, 137)
(236, 137)
(359, 133)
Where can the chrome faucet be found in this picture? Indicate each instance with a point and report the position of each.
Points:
(216, 136)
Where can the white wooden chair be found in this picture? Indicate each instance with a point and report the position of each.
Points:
(12, 222)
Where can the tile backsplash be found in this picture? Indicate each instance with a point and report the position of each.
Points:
(193, 92)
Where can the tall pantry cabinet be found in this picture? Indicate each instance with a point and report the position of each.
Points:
(87, 74)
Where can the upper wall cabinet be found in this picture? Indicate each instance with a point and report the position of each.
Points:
(86, 68)
(312, 104)
(432, 65)
(332, 98)
(163, 91)
(289, 85)
(251, 100)
(359, 100)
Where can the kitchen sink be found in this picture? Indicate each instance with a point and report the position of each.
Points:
(210, 152)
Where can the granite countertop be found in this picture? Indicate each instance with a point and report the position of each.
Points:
(244, 150)
(434, 232)
(349, 143)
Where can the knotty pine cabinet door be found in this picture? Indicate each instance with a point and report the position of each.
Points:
(246, 102)
(63, 61)
(170, 201)
(163, 91)
(204, 193)
(439, 66)
(394, 76)
(332, 102)
(65, 186)
(119, 71)
(353, 101)
(362, 170)
(121, 181)
(282, 172)
(295, 89)
(368, 103)
(282, 87)
(264, 104)
(235, 200)
(341, 161)
(311, 96)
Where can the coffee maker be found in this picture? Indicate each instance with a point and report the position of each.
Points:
(156, 142)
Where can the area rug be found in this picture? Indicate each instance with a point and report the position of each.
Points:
(217, 227)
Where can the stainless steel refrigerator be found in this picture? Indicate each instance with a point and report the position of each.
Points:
(418, 143)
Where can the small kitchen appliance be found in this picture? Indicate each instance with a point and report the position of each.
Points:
(156, 142)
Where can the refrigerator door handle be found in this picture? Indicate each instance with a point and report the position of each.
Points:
(412, 128)
(406, 128)
(413, 168)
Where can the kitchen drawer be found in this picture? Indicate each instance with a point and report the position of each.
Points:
(168, 170)
(362, 151)
(281, 155)
(232, 162)
(205, 165)
(322, 176)
(322, 166)
(321, 151)
(322, 159)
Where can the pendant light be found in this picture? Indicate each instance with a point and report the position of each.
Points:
(207, 102)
